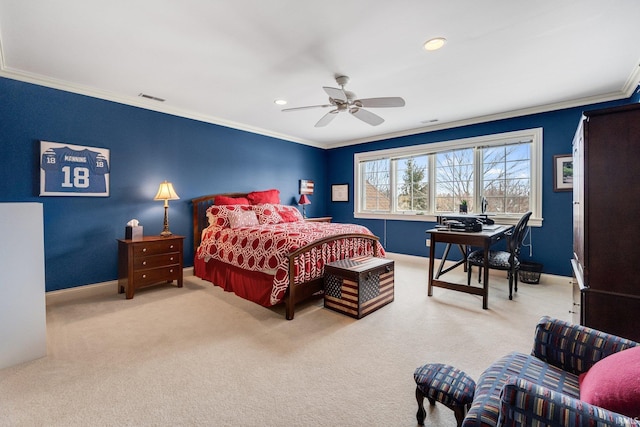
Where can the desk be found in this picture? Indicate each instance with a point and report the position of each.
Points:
(483, 239)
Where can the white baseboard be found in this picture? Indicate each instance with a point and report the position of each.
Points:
(110, 287)
(95, 289)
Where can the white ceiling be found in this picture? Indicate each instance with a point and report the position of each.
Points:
(226, 61)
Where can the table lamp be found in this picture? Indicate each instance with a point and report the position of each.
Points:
(304, 200)
(166, 193)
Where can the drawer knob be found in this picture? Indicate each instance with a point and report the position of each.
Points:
(171, 271)
(171, 247)
(171, 259)
(144, 262)
(144, 276)
(144, 249)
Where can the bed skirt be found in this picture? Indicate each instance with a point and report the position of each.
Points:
(254, 286)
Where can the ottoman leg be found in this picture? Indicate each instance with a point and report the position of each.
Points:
(421, 412)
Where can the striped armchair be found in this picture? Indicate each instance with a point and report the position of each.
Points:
(541, 389)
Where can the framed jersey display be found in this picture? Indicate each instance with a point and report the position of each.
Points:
(73, 170)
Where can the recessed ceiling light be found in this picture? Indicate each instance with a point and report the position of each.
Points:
(435, 43)
(280, 102)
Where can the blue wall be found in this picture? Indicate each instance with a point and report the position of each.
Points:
(552, 243)
(148, 147)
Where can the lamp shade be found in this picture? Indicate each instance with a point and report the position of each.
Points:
(304, 200)
(166, 192)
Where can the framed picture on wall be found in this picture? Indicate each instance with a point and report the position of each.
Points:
(340, 193)
(563, 172)
(306, 186)
(73, 170)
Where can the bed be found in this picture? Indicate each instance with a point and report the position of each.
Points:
(266, 252)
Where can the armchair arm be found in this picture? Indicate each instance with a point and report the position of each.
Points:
(523, 403)
(574, 348)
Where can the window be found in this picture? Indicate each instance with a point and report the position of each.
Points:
(421, 182)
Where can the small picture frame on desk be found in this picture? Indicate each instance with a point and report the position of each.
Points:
(563, 172)
(340, 193)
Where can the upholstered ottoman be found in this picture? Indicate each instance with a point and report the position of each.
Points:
(446, 384)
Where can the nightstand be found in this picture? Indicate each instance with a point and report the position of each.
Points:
(148, 261)
(319, 219)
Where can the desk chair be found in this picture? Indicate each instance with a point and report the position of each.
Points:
(508, 260)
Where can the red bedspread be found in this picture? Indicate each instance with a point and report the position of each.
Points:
(265, 249)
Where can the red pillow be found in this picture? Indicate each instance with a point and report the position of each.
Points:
(261, 197)
(289, 213)
(224, 200)
(613, 383)
(288, 216)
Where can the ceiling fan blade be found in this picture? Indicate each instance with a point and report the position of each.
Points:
(307, 107)
(327, 118)
(394, 101)
(367, 116)
(335, 93)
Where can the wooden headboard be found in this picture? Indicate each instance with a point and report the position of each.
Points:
(200, 220)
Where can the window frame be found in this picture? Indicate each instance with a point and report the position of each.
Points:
(500, 139)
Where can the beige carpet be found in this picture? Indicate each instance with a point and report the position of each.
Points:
(200, 356)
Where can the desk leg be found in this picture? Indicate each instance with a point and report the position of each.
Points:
(485, 295)
(432, 254)
(464, 252)
(444, 258)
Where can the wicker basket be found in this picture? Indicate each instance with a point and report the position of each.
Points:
(530, 272)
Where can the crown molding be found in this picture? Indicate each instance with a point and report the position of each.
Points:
(628, 89)
(136, 101)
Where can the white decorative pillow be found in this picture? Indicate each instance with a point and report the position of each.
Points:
(243, 219)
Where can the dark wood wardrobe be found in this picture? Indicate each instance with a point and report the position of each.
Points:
(606, 221)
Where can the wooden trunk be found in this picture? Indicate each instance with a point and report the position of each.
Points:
(358, 286)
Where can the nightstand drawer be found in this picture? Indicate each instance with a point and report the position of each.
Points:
(154, 248)
(153, 261)
(154, 275)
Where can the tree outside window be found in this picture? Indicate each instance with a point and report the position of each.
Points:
(413, 188)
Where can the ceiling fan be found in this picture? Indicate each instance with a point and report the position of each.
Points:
(344, 100)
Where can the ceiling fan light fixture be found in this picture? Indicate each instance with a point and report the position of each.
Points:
(344, 100)
(434, 43)
(280, 101)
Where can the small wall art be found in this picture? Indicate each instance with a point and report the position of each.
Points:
(306, 186)
(340, 193)
(563, 172)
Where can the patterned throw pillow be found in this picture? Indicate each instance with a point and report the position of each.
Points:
(243, 219)
(219, 215)
(267, 214)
